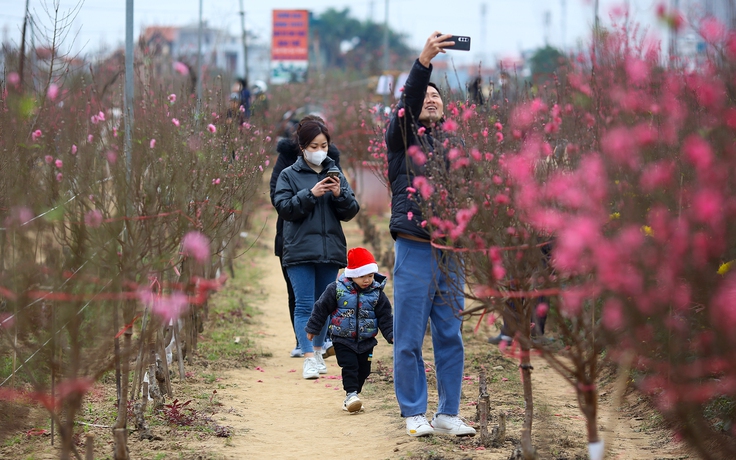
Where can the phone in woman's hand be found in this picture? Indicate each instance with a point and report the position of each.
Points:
(333, 173)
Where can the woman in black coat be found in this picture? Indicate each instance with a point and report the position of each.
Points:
(313, 204)
(288, 150)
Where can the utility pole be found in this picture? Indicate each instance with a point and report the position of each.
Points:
(596, 23)
(547, 21)
(23, 46)
(32, 54)
(386, 62)
(673, 35)
(199, 65)
(245, 42)
(128, 103)
(563, 23)
(483, 44)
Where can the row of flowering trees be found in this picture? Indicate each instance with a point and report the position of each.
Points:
(608, 201)
(104, 250)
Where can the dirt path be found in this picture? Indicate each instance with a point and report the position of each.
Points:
(275, 413)
(278, 414)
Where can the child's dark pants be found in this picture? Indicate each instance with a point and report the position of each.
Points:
(356, 367)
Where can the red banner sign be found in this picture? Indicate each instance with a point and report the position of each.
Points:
(290, 39)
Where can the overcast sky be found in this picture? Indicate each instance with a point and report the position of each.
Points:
(507, 27)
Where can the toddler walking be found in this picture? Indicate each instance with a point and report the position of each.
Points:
(358, 308)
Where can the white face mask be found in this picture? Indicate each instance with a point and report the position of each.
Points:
(316, 158)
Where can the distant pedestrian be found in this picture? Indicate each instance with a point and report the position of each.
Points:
(357, 308)
(244, 96)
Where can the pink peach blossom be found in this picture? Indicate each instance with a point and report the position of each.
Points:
(93, 218)
(168, 307)
(196, 245)
(36, 134)
(74, 149)
(48, 159)
(59, 163)
(181, 68)
(450, 126)
(53, 91)
(175, 122)
(424, 186)
(698, 152)
(18, 216)
(211, 128)
(172, 98)
(13, 78)
(152, 144)
(712, 30)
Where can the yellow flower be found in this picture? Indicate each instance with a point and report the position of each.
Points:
(647, 230)
(725, 267)
(614, 216)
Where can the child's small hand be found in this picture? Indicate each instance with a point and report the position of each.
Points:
(310, 336)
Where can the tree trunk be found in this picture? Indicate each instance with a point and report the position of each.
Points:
(484, 405)
(524, 329)
(120, 430)
(89, 446)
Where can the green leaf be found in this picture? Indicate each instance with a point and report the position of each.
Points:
(27, 107)
(55, 214)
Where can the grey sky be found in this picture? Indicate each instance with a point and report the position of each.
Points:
(510, 25)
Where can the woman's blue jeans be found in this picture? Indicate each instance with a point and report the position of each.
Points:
(309, 282)
(421, 292)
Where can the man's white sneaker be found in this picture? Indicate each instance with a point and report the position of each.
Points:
(310, 370)
(418, 425)
(352, 403)
(451, 424)
(321, 366)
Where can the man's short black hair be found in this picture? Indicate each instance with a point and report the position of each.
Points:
(433, 85)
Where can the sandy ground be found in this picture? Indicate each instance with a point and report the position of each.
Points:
(277, 414)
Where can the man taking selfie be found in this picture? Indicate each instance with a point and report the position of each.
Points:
(422, 291)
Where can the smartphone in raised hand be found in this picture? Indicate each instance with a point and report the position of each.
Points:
(462, 43)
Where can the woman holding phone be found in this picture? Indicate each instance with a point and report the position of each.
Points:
(288, 151)
(313, 206)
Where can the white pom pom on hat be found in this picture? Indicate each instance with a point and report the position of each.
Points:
(360, 263)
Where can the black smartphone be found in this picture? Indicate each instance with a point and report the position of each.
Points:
(333, 172)
(462, 43)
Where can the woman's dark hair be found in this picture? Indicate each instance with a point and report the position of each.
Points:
(308, 128)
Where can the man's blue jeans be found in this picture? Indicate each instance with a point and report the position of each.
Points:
(421, 292)
(309, 282)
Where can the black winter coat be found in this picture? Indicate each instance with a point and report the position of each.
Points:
(289, 151)
(400, 135)
(312, 225)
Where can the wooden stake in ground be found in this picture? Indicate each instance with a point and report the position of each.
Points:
(484, 403)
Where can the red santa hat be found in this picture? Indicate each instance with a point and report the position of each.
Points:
(360, 263)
